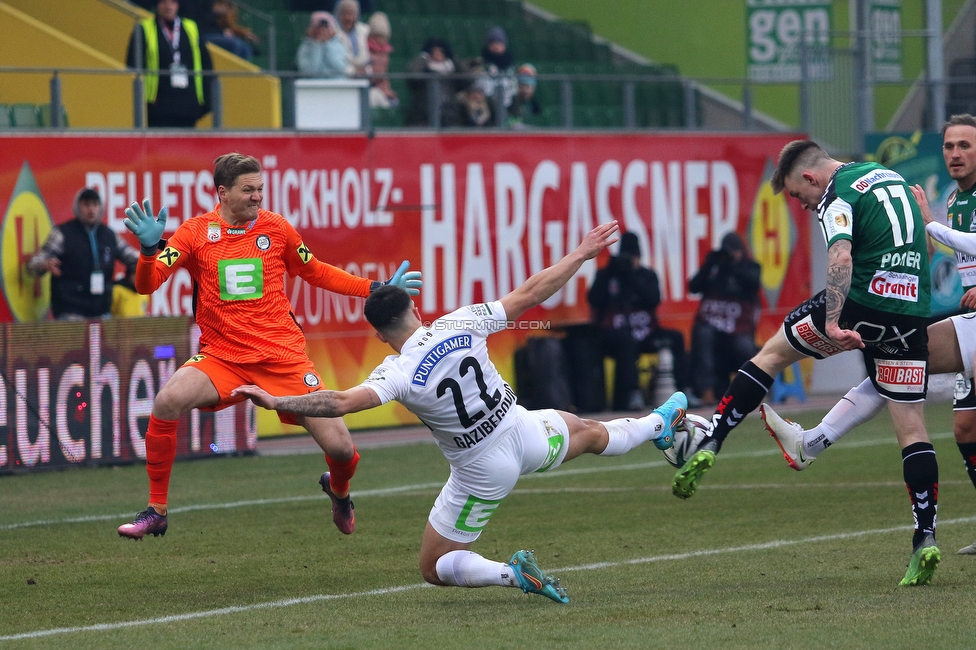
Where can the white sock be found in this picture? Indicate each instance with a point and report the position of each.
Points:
(859, 405)
(468, 569)
(627, 433)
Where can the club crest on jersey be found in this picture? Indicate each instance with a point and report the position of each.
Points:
(169, 256)
(263, 242)
(303, 252)
(213, 231)
(311, 379)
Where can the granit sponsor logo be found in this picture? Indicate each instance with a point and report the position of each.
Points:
(900, 286)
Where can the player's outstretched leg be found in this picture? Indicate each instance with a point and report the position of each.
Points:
(532, 580)
(342, 509)
(925, 558)
(147, 522)
(789, 436)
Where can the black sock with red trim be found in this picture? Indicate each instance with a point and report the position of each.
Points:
(745, 394)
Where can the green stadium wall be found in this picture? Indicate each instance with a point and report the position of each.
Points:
(707, 40)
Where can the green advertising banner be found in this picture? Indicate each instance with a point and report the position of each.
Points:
(885, 17)
(778, 31)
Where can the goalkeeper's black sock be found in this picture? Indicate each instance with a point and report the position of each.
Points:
(745, 394)
(921, 471)
(968, 451)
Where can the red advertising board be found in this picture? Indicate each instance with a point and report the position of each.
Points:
(476, 213)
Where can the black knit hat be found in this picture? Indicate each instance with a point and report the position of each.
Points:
(629, 244)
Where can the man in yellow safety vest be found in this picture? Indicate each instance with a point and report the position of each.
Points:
(177, 94)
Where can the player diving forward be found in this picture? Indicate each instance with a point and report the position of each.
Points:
(952, 341)
(443, 374)
(877, 299)
(237, 256)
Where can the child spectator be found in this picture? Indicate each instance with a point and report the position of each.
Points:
(381, 93)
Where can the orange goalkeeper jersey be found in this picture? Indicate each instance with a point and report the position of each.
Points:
(239, 272)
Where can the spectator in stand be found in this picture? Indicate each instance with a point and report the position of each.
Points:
(723, 336)
(525, 105)
(353, 34)
(381, 93)
(171, 43)
(624, 298)
(80, 255)
(436, 58)
(220, 28)
(498, 62)
(321, 53)
(471, 106)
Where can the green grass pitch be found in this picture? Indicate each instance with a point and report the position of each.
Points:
(762, 557)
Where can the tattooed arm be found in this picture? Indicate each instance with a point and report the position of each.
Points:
(840, 268)
(323, 403)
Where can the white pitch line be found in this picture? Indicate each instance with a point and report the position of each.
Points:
(559, 472)
(276, 604)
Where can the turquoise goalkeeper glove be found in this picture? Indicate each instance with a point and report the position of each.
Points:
(409, 281)
(144, 226)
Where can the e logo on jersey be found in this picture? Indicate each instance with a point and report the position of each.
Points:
(169, 256)
(263, 242)
(241, 279)
(304, 253)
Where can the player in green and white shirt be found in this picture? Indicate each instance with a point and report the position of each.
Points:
(876, 300)
(952, 341)
(888, 255)
(443, 374)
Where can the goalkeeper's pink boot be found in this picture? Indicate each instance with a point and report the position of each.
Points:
(342, 509)
(147, 522)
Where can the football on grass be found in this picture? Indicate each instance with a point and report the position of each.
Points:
(687, 436)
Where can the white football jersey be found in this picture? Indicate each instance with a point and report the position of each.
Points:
(443, 376)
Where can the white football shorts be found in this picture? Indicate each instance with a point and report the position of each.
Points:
(537, 443)
(965, 325)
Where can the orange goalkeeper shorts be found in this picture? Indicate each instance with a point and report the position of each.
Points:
(279, 378)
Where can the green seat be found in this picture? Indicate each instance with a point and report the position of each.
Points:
(6, 119)
(45, 110)
(386, 117)
(25, 115)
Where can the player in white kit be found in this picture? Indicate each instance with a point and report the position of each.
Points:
(442, 374)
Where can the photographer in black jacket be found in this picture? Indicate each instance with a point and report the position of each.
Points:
(724, 334)
(623, 299)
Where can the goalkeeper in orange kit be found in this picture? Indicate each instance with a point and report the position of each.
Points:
(237, 256)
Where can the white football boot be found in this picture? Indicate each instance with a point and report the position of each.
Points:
(789, 436)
